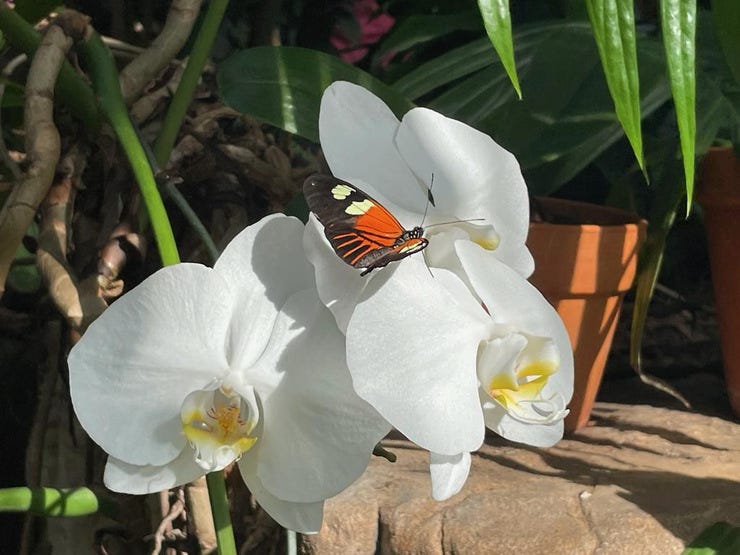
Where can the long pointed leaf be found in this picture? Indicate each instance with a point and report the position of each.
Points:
(555, 134)
(651, 260)
(613, 23)
(497, 19)
(678, 19)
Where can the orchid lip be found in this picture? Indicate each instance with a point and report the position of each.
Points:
(551, 410)
(514, 370)
(218, 424)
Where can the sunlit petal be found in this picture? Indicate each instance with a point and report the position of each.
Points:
(128, 478)
(515, 302)
(301, 517)
(136, 363)
(264, 265)
(411, 350)
(448, 473)
(318, 434)
(473, 177)
(357, 133)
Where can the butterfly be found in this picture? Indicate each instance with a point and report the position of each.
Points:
(361, 231)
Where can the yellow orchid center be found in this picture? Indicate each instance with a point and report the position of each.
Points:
(218, 424)
(525, 385)
(483, 235)
(513, 370)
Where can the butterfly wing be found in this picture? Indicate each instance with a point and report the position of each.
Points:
(361, 231)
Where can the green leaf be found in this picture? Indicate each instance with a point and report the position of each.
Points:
(726, 15)
(283, 86)
(418, 29)
(668, 193)
(70, 87)
(613, 23)
(445, 69)
(678, 19)
(473, 57)
(717, 92)
(497, 19)
(569, 122)
(719, 539)
(34, 10)
(14, 95)
(651, 260)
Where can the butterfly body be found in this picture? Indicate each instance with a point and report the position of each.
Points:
(361, 231)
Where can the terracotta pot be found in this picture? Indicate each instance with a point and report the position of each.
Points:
(719, 195)
(585, 261)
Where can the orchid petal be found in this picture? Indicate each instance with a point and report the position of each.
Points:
(357, 131)
(473, 178)
(304, 518)
(496, 359)
(137, 362)
(264, 264)
(411, 350)
(339, 285)
(312, 414)
(500, 421)
(515, 302)
(448, 473)
(138, 480)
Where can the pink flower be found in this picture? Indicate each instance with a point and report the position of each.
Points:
(372, 24)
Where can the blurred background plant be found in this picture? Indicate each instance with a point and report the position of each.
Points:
(272, 61)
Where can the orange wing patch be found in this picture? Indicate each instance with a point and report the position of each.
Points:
(361, 231)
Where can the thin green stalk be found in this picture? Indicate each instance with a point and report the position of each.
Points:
(171, 190)
(184, 93)
(70, 88)
(53, 501)
(291, 538)
(105, 81)
(221, 516)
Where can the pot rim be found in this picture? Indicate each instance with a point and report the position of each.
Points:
(604, 219)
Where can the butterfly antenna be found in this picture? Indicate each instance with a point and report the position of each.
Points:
(430, 200)
(457, 222)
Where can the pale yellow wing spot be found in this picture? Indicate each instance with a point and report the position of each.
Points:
(358, 208)
(341, 192)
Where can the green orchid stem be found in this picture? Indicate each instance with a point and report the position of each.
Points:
(105, 82)
(54, 501)
(184, 93)
(291, 547)
(221, 516)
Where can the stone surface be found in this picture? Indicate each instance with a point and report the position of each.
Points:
(642, 479)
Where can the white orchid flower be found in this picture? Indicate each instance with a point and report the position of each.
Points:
(442, 366)
(474, 179)
(197, 368)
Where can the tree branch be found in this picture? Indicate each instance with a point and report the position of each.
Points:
(180, 20)
(42, 138)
